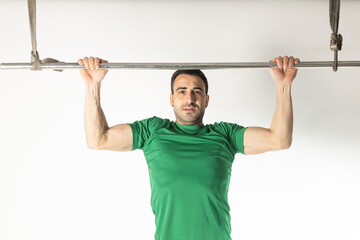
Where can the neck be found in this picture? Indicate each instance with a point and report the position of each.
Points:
(196, 123)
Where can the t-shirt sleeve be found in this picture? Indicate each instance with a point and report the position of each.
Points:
(143, 129)
(235, 134)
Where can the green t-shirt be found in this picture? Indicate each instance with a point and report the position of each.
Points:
(189, 170)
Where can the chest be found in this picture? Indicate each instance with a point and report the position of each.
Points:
(197, 159)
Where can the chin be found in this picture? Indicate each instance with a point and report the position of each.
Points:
(191, 119)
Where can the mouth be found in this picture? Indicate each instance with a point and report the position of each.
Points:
(190, 110)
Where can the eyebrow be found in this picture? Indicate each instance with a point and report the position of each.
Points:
(193, 88)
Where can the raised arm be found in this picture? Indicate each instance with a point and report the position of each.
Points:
(98, 134)
(279, 135)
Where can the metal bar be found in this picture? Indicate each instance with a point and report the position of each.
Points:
(32, 21)
(175, 66)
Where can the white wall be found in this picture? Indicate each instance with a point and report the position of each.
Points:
(53, 187)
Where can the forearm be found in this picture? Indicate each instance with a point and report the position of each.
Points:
(94, 118)
(282, 123)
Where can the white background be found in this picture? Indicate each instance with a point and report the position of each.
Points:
(53, 187)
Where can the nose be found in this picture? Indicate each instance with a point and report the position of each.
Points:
(190, 97)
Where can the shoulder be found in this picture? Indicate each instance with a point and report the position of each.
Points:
(152, 123)
(226, 127)
(157, 122)
(233, 132)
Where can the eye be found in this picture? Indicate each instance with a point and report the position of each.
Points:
(181, 92)
(198, 92)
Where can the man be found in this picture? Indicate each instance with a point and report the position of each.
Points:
(189, 163)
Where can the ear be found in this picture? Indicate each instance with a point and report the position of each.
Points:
(171, 100)
(207, 101)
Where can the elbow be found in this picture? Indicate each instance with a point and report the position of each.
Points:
(93, 145)
(284, 144)
(97, 144)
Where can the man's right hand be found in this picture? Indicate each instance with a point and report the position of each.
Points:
(92, 74)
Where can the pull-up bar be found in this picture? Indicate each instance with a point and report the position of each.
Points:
(175, 66)
(49, 63)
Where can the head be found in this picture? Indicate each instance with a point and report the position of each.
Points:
(189, 96)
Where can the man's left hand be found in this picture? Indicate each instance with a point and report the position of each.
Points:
(285, 73)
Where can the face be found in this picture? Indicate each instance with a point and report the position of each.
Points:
(189, 99)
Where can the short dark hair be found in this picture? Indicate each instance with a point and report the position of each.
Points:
(192, 72)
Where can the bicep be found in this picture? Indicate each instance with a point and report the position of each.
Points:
(117, 138)
(258, 140)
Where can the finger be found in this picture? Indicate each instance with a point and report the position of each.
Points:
(80, 62)
(86, 63)
(291, 62)
(92, 63)
(297, 61)
(104, 61)
(97, 63)
(273, 61)
(285, 62)
(279, 62)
